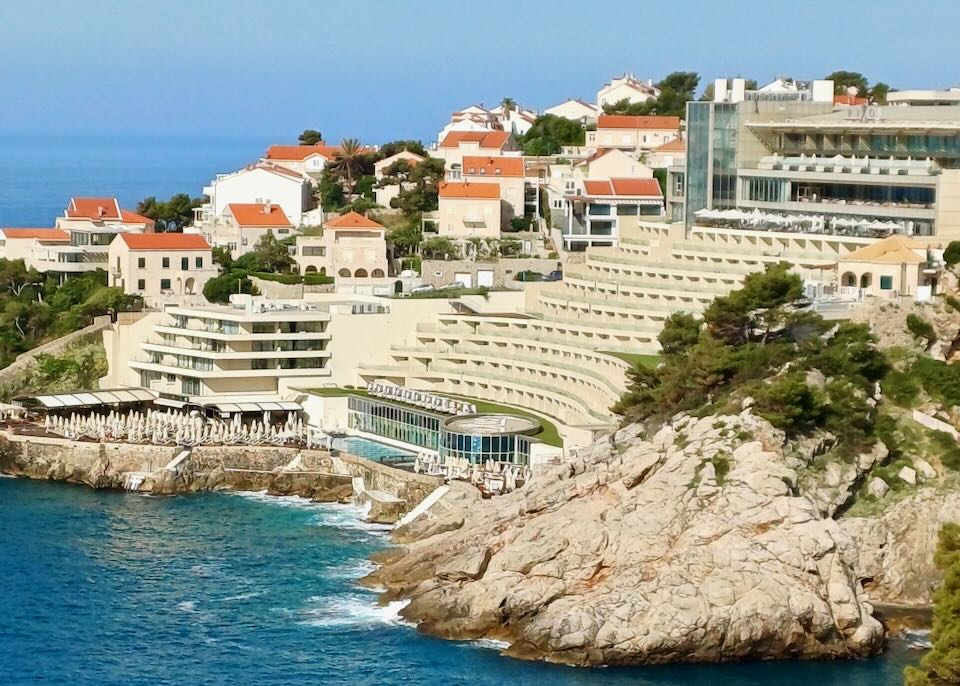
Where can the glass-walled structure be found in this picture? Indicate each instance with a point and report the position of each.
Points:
(474, 438)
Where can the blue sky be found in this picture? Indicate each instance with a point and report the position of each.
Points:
(385, 69)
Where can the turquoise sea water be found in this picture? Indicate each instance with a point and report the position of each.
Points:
(39, 174)
(108, 589)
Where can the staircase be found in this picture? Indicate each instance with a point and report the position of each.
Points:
(424, 505)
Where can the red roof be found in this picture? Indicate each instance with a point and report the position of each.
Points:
(466, 189)
(850, 100)
(301, 152)
(165, 241)
(129, 217)
(352, 220)
(676, 145)
(493, 166)
(486, 139)
(631, 121)
(628, 187)
(43, 234)
(94, 208)
(259, 215)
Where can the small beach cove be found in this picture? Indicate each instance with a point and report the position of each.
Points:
(244, 588)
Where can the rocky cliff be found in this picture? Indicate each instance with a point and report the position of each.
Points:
(694, 545)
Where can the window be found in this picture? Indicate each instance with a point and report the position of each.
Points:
(166, 263)
(164, 284)
(198, 262)
(141, 262)
(141, 284)
(184, 263)
(886, 283)
(190, 386)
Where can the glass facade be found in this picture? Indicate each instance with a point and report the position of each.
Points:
(698, 156)
(763, 189)
(724, 163)
(426, 430)
(872, 144)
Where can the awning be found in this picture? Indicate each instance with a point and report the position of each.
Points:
(117, 396)
(170, 402)
(265, 406)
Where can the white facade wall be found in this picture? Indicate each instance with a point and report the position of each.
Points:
(260, 186)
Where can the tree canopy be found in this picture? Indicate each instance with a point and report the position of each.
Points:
(549, 133)
(941, 666)
(843, 79)
(268, 255)
(419, 184)
(676, 89)
(310, 137)
(172, 214)
(760, 342)
(393, 147)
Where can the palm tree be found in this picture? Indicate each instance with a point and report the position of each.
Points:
(508, 104)
(348, 161)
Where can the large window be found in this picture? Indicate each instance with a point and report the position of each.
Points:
(190, 386)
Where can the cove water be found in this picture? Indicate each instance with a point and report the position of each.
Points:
(108, 589)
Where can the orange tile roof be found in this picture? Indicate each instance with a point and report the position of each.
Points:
(493, 166)
(94, 208)
(630, 121)
(486, 139)
(257, 215)
(352, 220)
(165, 241)
(676, 145)
(630, 187)
(129, 217)
(465, 189)
(43, 234)
(301, 152)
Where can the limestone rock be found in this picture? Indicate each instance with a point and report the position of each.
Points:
(924, 469)
(661, 550)
(908, 475)
(877, 487)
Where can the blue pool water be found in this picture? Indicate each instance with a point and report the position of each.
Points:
(372, 450)
(110, 589)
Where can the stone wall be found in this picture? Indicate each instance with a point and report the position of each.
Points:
(441, 272)
(288, 291)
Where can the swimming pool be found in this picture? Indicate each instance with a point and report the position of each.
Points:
(378, 452)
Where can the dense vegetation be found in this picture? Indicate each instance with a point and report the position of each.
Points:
(761, 342)
(676, 90)
(36, 307)
(80, 366)
(549, 134)
(172, 214)
(941, 666)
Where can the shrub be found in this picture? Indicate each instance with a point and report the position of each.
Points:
(288, 279)
(921, 329)
(901, 388)
(317, 279)
(521, 223)
(940, 380)
(789, 404)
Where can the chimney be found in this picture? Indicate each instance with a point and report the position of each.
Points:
(267, 207)
(101, 211)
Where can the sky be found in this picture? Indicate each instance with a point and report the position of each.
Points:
(380, 70)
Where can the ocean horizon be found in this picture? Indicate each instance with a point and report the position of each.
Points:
(40, 173)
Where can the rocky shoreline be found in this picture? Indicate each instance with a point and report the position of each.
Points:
(698, 544)
(311, 474)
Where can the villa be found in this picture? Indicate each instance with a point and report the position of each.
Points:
(260, 183)
(480, 143)
(352, 247)
(640, 133)
(507, 173)
(161, 266)
(575, 110)
(469, 210)
(243, 224)
(626, 88)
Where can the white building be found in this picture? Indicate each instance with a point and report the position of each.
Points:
(626, 87)
(243, 224)
(260, 183)
(576, 110)
(483, 143)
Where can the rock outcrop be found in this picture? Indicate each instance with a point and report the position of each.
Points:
(897, 547)
(692, 546)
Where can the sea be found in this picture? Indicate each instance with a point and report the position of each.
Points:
(40, 173)
(108, 589)
(102, 588)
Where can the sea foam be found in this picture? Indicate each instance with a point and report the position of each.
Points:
(352, 610)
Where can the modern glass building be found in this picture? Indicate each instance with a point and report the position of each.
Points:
(476, 438)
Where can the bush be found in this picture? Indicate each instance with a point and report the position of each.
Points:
(939, 379)
(552, 255)
(521, 223)
(288, 279)
(317, 279)
(789, 404)
(413, 262)
(901, 388)
(220, 289)
(921, 329)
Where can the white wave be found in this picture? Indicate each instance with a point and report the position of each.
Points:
(353, 570)
(352, 610)
(918, 639)
(490, 644)
(242, 596)
(187, 606)
(327, 514)
(281, 500)
(8, 476)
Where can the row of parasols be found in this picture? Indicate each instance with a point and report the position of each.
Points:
(175, 428)
(501, 477)
(814, 222)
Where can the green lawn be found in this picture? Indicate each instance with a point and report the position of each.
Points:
(634, 359)
(548, 430)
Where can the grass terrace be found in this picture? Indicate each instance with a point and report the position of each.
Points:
(548, 431)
